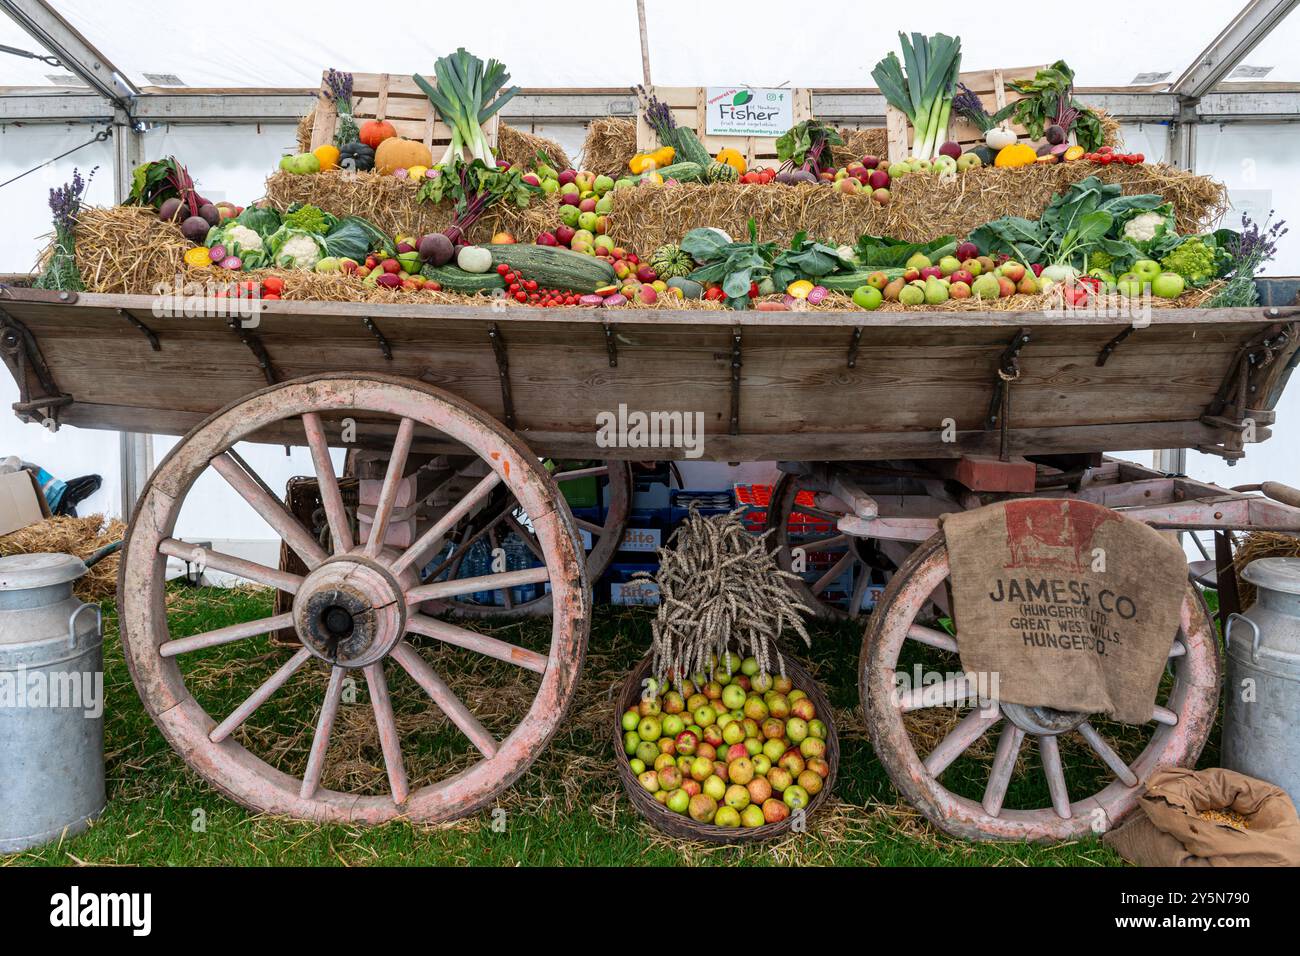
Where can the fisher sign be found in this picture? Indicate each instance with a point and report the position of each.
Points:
(748, 111)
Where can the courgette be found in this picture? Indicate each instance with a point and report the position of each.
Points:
(682, 172)
(554, 268)
(690, 149)
(453, 279)
(848, 281)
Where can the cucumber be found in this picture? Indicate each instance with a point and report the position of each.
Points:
(690, 149)
(554, 268)
(848, 281)
(453, 279)
(682, 172)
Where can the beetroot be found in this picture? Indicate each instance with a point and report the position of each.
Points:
(195, 229)
(172, 210)
(211, 214)
(437, 249)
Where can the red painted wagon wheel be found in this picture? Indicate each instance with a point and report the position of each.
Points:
(504, 518)
(353, 608)
(796, 497)
(1182, 723)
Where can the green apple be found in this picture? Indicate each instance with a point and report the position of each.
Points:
(715, 787)
(672, 725)
(678, 801)
(603, 185)
(727, 817)
(752, 816)
(867, 297)
(1168, 285)
(650, 728)
(631, 741)
(795, 797)
(1146, 269)
(638, 766)
(733, 696)
(1129, 284)
(630, 719)
(569, 216)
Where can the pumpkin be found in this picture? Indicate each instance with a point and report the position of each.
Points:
(394, 154)
(374, 132)
(733, 159)
(328, 156)
(1016, 155)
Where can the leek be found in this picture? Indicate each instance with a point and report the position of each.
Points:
(924, 95)
(466, 97)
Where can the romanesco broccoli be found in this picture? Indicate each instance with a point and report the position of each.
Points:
(1194, 260)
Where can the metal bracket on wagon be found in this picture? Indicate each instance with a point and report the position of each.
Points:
(143, 329)
(374, 330)
(734, 427)
(255, 346)
(503, 373)
(20, 351)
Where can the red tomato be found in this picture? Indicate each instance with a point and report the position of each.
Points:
(272, 284)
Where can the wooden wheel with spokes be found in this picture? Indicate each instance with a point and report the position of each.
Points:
(355, 607)
(502, 524)
(802, 515)
(978, 804)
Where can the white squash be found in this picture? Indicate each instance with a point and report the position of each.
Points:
(474, 259)
(998, 138)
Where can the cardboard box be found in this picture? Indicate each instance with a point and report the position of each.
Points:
(21, 502)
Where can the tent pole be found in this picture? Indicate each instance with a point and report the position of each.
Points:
(645, 44)
(135, 451)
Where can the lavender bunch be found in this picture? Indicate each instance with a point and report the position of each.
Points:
(338, 87)
(658, 116)
(1249, 252)
(967, 104)
(60, 270)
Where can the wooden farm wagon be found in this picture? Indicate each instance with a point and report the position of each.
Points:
(885, 420)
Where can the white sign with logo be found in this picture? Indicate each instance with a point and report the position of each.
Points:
(748, 111)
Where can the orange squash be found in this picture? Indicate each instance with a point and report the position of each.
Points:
(374, 132)
(395, 153)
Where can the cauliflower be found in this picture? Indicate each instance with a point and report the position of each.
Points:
(298, 251)
(1144, 227)
(242, 237)
(1194, 260)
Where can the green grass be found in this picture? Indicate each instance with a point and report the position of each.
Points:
(567, 810)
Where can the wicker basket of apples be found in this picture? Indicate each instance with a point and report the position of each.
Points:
(729, 760)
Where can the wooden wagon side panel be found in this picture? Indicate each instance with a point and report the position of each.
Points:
(824, 386)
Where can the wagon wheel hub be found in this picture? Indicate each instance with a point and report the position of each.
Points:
(1042, 721)
(349, 611)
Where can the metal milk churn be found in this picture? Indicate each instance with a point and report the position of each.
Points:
(51, 702)
(1261, 724)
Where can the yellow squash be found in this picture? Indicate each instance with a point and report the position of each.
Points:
(733, 159)
(1016, 155)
